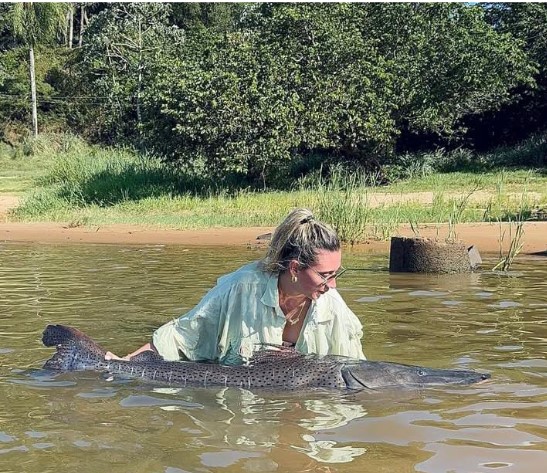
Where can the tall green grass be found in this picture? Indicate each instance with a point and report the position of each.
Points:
(342, 200)
(528, 154)
(85, 185)
(18, 174)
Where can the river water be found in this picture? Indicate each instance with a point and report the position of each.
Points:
(119, 294)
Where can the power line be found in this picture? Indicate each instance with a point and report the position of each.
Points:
(58, 97)
(89, 100)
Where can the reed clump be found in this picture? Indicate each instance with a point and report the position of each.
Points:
(342, 200)
(516, 235)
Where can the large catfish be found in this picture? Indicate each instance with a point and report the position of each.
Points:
(268, 369)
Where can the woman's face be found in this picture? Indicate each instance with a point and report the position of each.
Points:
(320, 277)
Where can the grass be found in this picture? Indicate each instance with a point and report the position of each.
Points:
(63, 179)
(516, 234)
(512, 181)
(18, 175)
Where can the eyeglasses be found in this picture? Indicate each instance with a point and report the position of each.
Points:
(327, 279)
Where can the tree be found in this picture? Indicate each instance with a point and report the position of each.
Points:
(449, 63)
(525, 115)
(220, 17)
(291, 79)
(344, 80)
(33, 24)
(124, 44)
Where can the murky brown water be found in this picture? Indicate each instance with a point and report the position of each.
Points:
(82, 422)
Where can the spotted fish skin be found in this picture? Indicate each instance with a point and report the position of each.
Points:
(75, 351)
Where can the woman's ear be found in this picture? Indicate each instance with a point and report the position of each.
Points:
(294, 267)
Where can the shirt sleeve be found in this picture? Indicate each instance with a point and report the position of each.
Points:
(353, 348)
(349, 339)
(346, 331)
(194, 335)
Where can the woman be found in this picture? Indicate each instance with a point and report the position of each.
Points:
(287, 298)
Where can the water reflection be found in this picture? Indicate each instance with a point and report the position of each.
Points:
(267, 422)
(59, 422)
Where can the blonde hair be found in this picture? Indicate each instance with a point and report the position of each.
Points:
(299, 237)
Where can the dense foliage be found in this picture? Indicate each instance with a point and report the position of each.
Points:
(252, 90)
(526, 113)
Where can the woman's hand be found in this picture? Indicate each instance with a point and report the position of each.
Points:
(111, 356)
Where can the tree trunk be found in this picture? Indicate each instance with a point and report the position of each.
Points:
(82, 16)
(70, 27)
(139, 86)
(33, 92)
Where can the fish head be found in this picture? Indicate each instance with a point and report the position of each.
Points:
(378, 374)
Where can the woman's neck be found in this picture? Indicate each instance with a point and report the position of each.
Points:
(287, 293)
(285, 286)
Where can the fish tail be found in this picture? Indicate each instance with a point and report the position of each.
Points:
(75, 350)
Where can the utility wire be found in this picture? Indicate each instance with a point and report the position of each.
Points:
(79, 97)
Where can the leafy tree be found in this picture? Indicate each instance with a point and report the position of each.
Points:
(449, 63)
(513, 122)
(124, 45)
(526, 21)
(291, 80)
(219, 17)
(6, 30)
(342, 78)
(342, 83)
(35, 23)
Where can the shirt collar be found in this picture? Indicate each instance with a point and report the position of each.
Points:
(271, 293)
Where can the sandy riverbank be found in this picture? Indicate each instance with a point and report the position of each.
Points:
(486, 236)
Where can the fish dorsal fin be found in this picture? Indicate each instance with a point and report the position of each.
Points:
(147, 356)
(272, 353)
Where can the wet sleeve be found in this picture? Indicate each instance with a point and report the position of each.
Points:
(354, 346)
(350, 331)
(194, 335)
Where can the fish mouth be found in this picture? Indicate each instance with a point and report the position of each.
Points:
(472, 378)
(484, 378)
(475, 378)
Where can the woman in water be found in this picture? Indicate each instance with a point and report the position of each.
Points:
(288, 298)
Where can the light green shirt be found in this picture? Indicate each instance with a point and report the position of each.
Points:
(242, 312)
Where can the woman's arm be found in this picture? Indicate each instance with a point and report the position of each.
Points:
(146, 347)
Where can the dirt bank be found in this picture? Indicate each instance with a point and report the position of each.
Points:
(485, 236)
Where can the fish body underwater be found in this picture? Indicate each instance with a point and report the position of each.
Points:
(268, 369)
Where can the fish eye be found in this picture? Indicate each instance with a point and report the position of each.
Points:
(421, 373)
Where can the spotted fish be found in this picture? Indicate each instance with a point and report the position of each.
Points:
(268, 369)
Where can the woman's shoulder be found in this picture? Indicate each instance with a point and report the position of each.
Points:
(251, 273)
